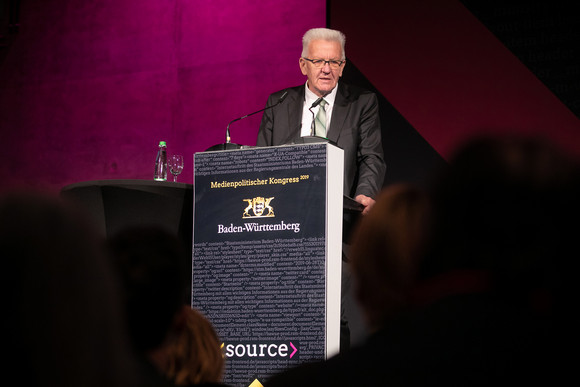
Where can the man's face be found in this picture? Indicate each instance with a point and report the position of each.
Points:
(322, 80)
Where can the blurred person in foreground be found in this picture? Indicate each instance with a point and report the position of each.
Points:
(493, 296)
(387, 245)
(152, 265)
(496, 286)
(192, 354)
(64, 323)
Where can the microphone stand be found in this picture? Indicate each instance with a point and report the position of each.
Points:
(312, 125)
(313, 138)
(228, 144)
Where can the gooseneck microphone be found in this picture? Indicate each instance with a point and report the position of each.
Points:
(314, 104)
(280, 100)
(228, 145)
(313, 138)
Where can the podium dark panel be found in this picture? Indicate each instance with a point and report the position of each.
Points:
(267, 254)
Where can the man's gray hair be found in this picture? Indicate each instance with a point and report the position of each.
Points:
(323, 34)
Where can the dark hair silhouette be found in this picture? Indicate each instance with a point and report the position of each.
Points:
(504, 205)
(386, 248)
(65, 325)
(152, 265)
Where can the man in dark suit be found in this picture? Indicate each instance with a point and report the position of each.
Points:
(350, 115)
(346, 115)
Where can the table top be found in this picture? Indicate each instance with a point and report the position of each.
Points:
(126, 183)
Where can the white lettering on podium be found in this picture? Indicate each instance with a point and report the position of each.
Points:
(256, 227)
(229, 229)
(271, 350)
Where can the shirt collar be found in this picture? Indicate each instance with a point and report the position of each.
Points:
(310, 97)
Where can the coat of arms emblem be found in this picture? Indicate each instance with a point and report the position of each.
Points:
(258, 207)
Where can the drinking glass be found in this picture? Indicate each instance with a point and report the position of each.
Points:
(175, 165)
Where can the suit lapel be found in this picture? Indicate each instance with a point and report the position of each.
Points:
(339, 112)
(295, 106)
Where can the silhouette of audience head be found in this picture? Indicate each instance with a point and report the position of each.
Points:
(385, 251)
(65, 325)
(176, 340)
(499, 265)
(491, 298)
(152, 265)
(194, 355)
(503, 206)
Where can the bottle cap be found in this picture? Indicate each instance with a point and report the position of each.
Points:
(162, 143)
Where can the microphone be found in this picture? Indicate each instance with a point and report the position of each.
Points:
(312, 138)
(228, 144)
(315, 104)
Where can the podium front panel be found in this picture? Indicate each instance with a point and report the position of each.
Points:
(266, 255)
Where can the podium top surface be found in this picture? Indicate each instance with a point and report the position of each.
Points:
(309, 140)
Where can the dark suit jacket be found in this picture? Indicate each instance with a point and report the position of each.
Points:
(354, 127)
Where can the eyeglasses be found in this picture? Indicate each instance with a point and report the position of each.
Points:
(318, 63)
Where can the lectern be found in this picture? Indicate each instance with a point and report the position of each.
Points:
(267, 245)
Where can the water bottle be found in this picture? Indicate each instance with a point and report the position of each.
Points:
(161, 163)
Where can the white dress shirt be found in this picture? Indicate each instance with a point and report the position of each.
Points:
(309, 99)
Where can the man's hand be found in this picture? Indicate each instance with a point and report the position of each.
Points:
(366, 202)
